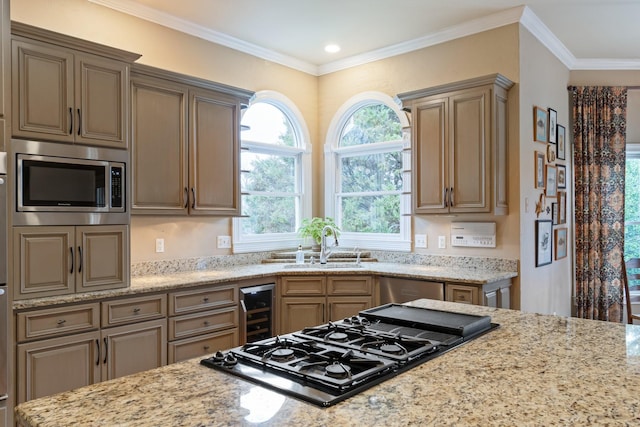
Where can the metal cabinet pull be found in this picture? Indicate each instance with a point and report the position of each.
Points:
(79, 121)
(451, 196)
(206, 323)
(70, 120)
(186, 197)
(206, 348)
(97, 352)
(445, 198)
(193, 195)
(80, 259)
(61, 322)
(136, 310)
(106, 350)
(205, 299)
(72, 259)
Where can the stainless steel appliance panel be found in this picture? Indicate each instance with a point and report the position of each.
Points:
(399, 290)
(257, 320)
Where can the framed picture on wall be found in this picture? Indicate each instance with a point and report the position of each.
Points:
(540, 124)
(543, 242)
(562, 207)
(562, 144)
(550, 189)
(560, 242)
(539, 169)
(562, 176)
(553, 119)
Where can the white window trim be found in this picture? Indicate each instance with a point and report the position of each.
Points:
(269, 242)
(368, 240)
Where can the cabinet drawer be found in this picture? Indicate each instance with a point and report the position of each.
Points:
(203, 299)
(201, 323)
(349, 285)
(131, 310)
(58, 321)
(303, 286)
(203, 345)
(463, 294)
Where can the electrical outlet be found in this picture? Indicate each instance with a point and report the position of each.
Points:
(159, 245)
(420, 240)
(224, 242)
(442, 242)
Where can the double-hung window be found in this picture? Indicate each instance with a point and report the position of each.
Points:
(368, 174)
(632, 203)
(274, 160)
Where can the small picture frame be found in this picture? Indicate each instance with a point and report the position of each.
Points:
(561, 177)
(560, 242)
(554, 213)
(551, 153)
(562, 142)
(540, 124)
(539, 169)
(562, 207)
(553, 120)
(550, 188)
(544, 242)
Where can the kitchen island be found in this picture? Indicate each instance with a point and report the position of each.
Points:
(532, 370)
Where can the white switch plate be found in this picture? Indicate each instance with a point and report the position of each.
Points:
(442, 242)
(159, 245)
(420, 240)
(224, 242)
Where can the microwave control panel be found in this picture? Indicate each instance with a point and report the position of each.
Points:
(473, 234)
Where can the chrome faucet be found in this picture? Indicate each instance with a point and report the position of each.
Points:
(324, 253)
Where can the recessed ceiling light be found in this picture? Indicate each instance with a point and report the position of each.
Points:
(332, 48)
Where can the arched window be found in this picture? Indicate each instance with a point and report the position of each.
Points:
(275, 175)
(368, 173)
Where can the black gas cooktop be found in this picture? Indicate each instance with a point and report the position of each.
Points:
(326, 364)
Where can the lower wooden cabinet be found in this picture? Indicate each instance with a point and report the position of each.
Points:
(202, 345)
(314, 300)
(495, 294)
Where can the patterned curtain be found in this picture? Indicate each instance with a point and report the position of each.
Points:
(599, 132)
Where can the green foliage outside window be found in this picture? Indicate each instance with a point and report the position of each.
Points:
(632, 208)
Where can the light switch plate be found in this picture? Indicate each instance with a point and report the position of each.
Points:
(159, 245)
(224, 242)
(420, 240)
(442, 242)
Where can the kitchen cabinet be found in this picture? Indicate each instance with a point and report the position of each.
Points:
(314, 300)
(63, 260)
(202, 321)
(496, 294)
(62, 348)
(68, 90)
(459, 146)
(185, 144)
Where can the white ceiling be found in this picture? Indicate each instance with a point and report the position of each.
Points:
(584, 34)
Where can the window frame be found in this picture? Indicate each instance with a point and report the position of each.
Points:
(632, 152)
(275, 241)
(333, 153)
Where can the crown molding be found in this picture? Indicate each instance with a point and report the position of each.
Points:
(519, 14)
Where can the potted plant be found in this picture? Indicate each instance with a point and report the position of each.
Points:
(313, 228)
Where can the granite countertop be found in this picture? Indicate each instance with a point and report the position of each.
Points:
(175, 281)
(532, 370)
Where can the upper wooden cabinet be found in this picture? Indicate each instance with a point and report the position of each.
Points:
(459, 146)
(69, 90)
(185, 144)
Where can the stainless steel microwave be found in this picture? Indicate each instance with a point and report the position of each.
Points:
(60, 184)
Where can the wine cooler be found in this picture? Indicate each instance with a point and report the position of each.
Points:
(257, 318)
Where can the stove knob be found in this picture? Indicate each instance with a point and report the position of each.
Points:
(218, 357)
(230, 360)
(355, 320)
(347, 320)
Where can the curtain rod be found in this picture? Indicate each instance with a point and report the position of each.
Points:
(570, 87)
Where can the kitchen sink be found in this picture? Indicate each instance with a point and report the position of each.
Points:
(327, 266)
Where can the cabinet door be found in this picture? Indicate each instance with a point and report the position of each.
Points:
(159, 147)
(214, 154)
(470, 153)
(299, 313)
(55, 365)
(42, 85)
(134, 348)
(101, 101)
(430, 145)
(342, 307)
(104, 257)
(44, 261)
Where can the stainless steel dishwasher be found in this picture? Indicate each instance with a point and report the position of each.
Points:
(399, 290)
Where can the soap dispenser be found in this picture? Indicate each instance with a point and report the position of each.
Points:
(299, 255)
